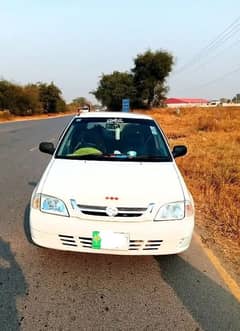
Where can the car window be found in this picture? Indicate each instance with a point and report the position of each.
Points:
(113, 139)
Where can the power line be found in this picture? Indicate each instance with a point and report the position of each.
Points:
(229, 30)
(224, 39)
(215, 46)
(219, 53)
(229, 73)
(221, 38)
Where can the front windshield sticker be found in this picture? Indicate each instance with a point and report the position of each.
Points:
(154, 130)
(114, 120)
(117, 133)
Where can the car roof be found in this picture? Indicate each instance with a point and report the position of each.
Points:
(114, 115)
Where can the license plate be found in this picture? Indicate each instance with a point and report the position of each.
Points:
(110, 240)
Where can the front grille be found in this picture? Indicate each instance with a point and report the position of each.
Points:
(67, 240)
(85, 242)
(134, 245)
(122, 211)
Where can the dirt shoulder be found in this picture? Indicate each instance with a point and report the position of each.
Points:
(14, 118)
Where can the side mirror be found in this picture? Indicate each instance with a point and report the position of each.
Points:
(46, 147)
(179, 150)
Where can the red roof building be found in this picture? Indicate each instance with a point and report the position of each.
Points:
(177, 102)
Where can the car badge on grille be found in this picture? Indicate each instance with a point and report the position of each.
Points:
(111, 211)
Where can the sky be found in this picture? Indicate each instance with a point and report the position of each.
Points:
(73, 42)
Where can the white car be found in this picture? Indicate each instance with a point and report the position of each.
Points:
(112, 186)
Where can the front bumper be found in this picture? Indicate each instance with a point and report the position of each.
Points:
(145, 237)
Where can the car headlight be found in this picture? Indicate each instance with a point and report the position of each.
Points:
(53, 205)
(171, 211)
(50, 205)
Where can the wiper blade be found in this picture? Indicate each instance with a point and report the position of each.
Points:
(86, 157)
(151, 158)
(110, 157)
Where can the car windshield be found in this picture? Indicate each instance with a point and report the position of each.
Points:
(118, 139)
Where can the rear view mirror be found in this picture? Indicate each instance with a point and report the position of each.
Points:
(47, 147)
(179, 150)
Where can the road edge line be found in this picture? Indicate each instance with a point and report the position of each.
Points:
(227, 278)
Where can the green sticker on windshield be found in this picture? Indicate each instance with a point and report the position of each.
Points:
(96, 240)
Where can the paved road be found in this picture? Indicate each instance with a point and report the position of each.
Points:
(42, 289)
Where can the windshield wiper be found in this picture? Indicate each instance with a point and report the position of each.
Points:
(86, 157)
(154, 158)
(109, 157)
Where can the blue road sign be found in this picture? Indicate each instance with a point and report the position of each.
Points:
(125, 105)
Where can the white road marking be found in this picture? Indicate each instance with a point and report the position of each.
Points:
(33, 149)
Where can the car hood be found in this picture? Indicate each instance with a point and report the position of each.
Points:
(132, 183)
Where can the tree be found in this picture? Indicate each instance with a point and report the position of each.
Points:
(80, 101)
(50, 97)
(19, 100)
(236, 99)
(32, 92)
(160, 91)
(30, 99)
(115, 87)
(145, 85)
(150, 72)
(8, 95)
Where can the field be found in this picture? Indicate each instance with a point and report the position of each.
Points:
(211, 170)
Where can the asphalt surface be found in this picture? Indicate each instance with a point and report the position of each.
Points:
(42, 289)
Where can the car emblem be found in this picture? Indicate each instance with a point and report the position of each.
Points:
(111, 211)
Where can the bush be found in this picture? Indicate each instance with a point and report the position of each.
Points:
(5, 115)
(31, 99)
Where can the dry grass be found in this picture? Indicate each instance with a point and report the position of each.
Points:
(211, 169)
(5, 115)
